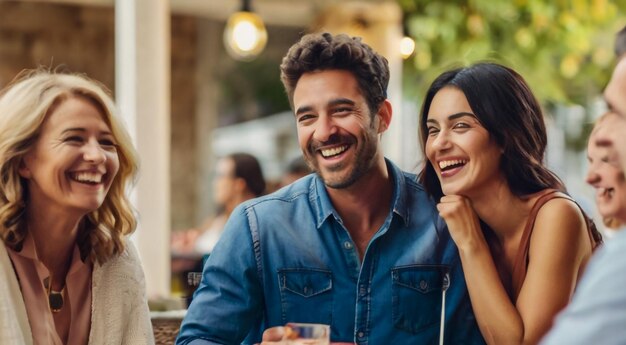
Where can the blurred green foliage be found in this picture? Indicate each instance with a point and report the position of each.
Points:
(564, 48)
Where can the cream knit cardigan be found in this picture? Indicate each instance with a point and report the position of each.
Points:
(119, 311)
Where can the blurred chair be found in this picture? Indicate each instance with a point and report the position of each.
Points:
(166, 326)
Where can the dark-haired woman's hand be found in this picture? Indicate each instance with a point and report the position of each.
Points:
(462, 221)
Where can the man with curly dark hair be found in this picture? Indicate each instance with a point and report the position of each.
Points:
(357, 245)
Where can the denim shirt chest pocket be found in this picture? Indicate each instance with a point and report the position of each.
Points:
(417, 296)
(303, 290)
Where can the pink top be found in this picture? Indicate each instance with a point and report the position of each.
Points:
(72, 323)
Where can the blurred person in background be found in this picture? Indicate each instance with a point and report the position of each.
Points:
(607, 178)
(620, 44)
(238, 177)
(296, 169)
(68, 274)
(596, 314)
(522, 240)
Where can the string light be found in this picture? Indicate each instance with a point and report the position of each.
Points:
(407, 47)
(245, 35)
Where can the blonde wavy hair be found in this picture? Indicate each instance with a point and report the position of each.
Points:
(24, 105)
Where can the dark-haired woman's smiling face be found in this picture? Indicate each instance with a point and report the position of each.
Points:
(464, 157)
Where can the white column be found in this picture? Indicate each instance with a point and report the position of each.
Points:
(142, 85)
(209, 42)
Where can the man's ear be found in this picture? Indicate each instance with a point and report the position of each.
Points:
(384, 115)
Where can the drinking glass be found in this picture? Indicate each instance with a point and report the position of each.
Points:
(308, 334)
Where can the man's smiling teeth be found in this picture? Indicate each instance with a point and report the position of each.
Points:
(334, 151)
(445, 164)
(87, 177)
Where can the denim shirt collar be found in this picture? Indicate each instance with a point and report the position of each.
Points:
(320, 200)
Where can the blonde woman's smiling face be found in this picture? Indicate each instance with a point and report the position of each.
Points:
(74, 161)
(605, 176)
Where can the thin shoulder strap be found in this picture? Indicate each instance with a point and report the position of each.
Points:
(521, 261)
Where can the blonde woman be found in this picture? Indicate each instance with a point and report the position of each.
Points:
(606, 177)
(67, 273)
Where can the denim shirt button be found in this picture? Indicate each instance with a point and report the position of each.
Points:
(423, 285)
(360, 334)
(347, 245)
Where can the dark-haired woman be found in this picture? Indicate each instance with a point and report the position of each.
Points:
(522, 240)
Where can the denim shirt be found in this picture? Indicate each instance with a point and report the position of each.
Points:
(286, 257)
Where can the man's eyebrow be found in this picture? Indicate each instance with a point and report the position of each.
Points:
(332, 103)
(339, 101)
(303, 109)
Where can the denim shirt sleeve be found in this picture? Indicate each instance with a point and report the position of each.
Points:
(229, 300)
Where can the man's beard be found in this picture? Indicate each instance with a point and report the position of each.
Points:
(361, 163)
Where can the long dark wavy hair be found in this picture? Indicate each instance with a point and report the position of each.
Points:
(508, 110)
(505, 106)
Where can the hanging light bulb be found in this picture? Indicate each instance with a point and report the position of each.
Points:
(407, 44)
(407, 47)
(245, 35)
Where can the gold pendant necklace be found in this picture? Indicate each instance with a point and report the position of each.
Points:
(55, 298)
